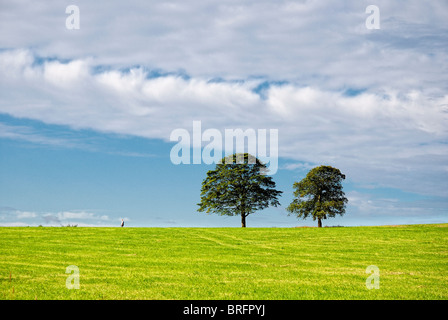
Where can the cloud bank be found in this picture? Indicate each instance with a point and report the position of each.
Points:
(388, 137)
(14, 217)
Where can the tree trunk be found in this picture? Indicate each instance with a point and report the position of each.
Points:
(319, 221)
(243, 220)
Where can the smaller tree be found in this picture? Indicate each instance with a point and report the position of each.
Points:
(319, 195)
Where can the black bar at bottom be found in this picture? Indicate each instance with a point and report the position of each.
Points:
(220, 309)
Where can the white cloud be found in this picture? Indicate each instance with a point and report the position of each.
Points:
(418, 210)
(13, 224)
(15, 63)
(29, 134)
(25, 214)
(297, 166)
(313, 42)
(65, 74)
(69, 216)
(79, 218)
(66, 215)
(390, 137)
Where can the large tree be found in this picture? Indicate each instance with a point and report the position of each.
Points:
(319, 195)
(238, 186)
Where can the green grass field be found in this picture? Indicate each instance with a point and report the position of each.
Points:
(224, 263)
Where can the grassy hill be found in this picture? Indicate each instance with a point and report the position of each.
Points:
(224, 263)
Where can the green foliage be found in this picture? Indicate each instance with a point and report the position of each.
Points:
(319, 195)
(238, 186)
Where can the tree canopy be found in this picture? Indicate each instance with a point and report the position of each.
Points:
(319, 195)
(238, 186)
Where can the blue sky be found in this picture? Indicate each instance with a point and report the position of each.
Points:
(86, 115)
